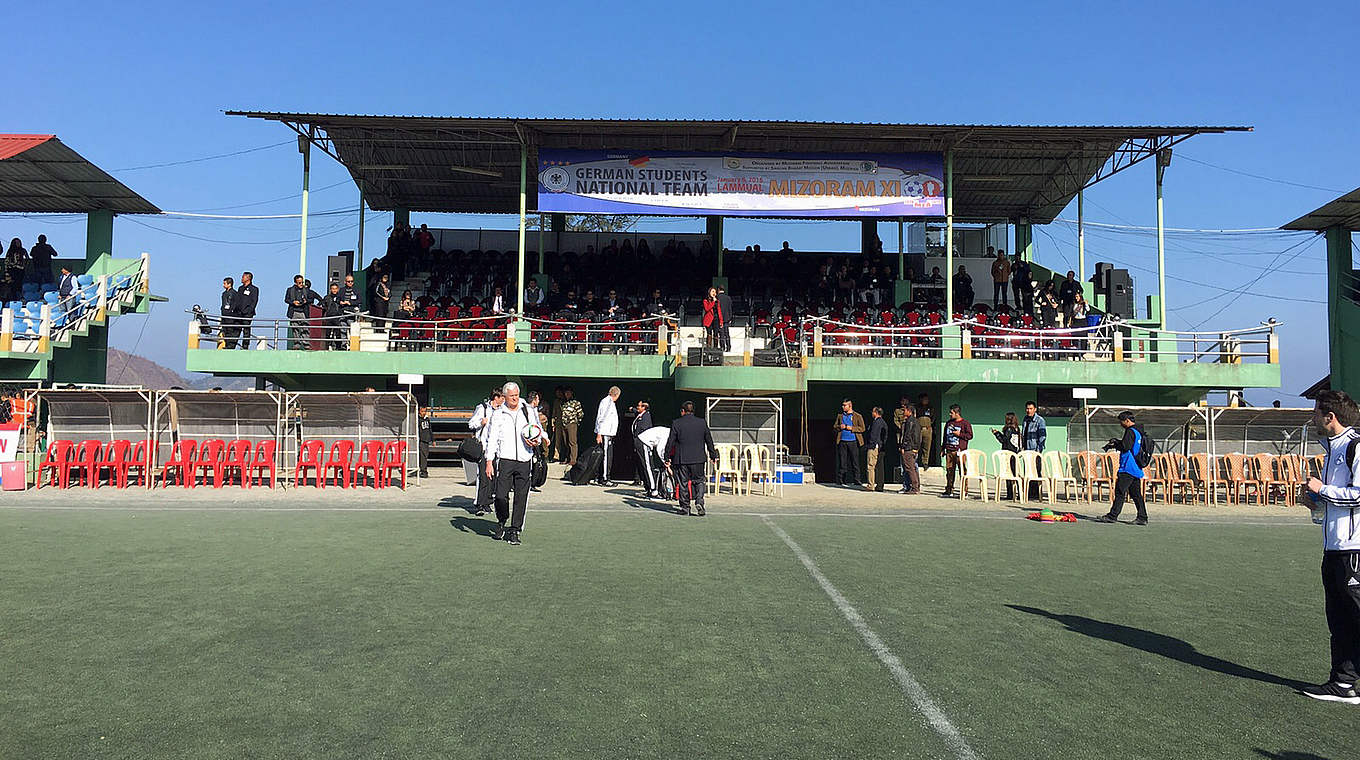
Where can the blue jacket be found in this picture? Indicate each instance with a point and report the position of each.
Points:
(1129, 448)
(1033, 433)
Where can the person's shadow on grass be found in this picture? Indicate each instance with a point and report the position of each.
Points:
(1283, 755)
(1159, 644)
(458, 502)
(467, 525)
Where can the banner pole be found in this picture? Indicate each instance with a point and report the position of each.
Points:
(949, 234)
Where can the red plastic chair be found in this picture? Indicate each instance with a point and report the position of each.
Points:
(137, 467)
(85, 461)
(182, 457)
(56, 459)
(338, 461)
(371, 459)
(262, 463)
(309, 458)
(113, 458)
(209, 458)
(394, 459)
(236, 461)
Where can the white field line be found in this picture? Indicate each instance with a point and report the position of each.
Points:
(908, 683)
(625, 510)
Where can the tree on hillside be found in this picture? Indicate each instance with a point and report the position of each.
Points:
(587, 222)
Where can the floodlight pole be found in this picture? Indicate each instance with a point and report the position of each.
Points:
(523, 182)
(360, 249)
(949, 234)
(1163, 161)
(305, 148)
(1081, 235)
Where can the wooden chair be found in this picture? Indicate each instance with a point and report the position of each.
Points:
(1003, 473)
(1176, 473)
(1058, 465)
(974, 464)
(1029, 473)
(728, 464)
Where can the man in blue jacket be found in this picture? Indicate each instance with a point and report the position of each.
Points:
(1129, 481)
(1034, 437)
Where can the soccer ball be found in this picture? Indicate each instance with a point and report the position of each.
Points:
(533, 432)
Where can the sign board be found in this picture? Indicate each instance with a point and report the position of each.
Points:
(1085, 393)
(9, 445)
(404, 379)
(741, 184)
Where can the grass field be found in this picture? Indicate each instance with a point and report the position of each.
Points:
(229, 634)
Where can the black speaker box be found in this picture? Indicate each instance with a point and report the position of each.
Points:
(767, 357)
(704, 357)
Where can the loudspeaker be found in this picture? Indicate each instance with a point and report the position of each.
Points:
(767, 357)
(1101, 279)
(704, 357)
(1119, 297)
(338, 266)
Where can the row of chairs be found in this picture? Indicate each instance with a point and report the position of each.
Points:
(1049, 471)
(744, 466)
(218, 462)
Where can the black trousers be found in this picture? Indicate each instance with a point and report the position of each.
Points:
(424, 458)
(644, 463)
(1127, 486)
(486, 487)
(847, 463)
(998, 293)
(229, 332)
(512, 476)
(1339, 571)
(724, 338)
(690, 479)
(243, 329)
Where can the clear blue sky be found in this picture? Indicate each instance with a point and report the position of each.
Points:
(133, 84)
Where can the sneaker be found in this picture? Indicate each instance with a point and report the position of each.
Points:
(1332, 692)
(699, 511)
(1106, 519)
(1140, 521)
(499, 532)
(903, 490)
(608, 484)
(514, 538)
(480, 509)
(947, 495)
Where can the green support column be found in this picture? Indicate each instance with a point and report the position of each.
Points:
(305, 148)
(1081, 236)
(559, 225)
(360, 249)
(868, 237)
(98, 235)
(1342, 332)
(1024, 240)
(523, 183)
(713, 227)
(401, 216)
(949, 235)
(1163, 161)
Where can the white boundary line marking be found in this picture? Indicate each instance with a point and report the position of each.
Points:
(908, 683)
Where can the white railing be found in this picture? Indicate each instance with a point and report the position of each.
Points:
(26, 332)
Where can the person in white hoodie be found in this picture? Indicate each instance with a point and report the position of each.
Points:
(606, 427)
(480, 425)
(1336, 499)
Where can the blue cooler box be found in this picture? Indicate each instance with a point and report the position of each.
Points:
(791, 474)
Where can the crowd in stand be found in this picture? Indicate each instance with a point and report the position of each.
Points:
(22, 265)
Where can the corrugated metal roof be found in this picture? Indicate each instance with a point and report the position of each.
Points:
(38, 173)
(403, 161)
(1343, 212)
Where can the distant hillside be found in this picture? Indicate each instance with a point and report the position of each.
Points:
(130, 369)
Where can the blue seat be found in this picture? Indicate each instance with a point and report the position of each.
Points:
(51, 297)
(84, 279)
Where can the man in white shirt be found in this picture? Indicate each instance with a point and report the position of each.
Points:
(606, 427)
(509, 461)
(1336, 497)
(480, 425)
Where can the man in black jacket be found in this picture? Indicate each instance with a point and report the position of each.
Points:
(350, 300)
(331, 311)
(229, 328)
(688, 448)
(877, 439)
(725, 330)
(641, 424)
(247, 298)
(41, 256)
(298, 299)
(426, 437)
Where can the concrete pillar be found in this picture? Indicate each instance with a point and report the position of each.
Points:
(98, 235)
(1345, 368)
(401, 216)
(1024, 240)
(713, 227)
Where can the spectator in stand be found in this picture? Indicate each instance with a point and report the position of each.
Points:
(1009, 438)
(712, 318)
(425, 240)
(908, 446)
(350, 300)
(957, 433)
(785, 249)
(407, 308)
(297, 299)
(849, 438)
(16, 263)
(727, 315)
(874, 448)
(1022, 284)
(1068, 290)
(41, 256)
(963, 289)
(533, 295)
(554, 300)
(612, 306)
(656, 305)
(935, 277)
(382, 297)
(247, 300)
(498, 301)
(1077, 312)
(332, 311)
(1047, 313)
(229, 326)
(565, 435)
(1001, 277)
(67, 284)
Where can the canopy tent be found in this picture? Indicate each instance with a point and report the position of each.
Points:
(1200, 429)
(38, 173)
(104, 414)
(254, 416)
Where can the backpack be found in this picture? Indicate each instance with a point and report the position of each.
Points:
(1146, 448)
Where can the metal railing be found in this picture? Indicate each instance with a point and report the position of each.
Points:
(485, 333)
(641, 336)
(1251, 344)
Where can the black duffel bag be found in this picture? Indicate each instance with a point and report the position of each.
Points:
(471, 449)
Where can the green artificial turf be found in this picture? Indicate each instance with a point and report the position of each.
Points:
(411, 634)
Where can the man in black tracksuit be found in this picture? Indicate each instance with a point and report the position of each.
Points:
(298, 298)
(331, 311)
(229, 328)
(426, 438)
(688, 448)
(641, 424)
(247, 298)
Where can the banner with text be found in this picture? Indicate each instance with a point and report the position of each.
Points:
(741, 184)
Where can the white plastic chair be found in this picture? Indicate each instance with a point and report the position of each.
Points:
(1003, 466)
(1029, 473)
(974, 464)
(728, 464)
(1058, 466)
(756, 460)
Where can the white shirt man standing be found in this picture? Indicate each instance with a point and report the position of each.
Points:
(509, 461)
(606, 427)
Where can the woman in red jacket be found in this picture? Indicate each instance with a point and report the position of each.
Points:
(713, 318)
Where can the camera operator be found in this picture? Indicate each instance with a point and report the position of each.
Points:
(1129, 482)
